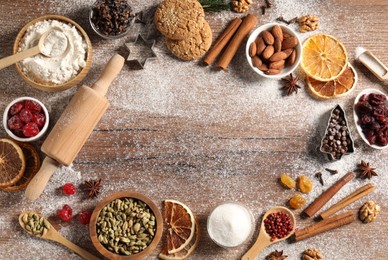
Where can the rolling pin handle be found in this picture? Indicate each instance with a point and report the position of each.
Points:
(108, 74)
(39, 182)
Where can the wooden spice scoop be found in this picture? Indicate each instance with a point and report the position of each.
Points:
(53, 235)
(74, 127)
(264, 239)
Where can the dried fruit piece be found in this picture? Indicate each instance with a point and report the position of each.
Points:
(84, 217)
(32, 167)
(12, 162)
(287, 181)
(69, 189)
(304, 184)
(297, 201)
(180, 225)
(187, 250)
(65, 213)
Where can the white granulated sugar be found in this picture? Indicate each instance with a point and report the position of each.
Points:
(58, 69)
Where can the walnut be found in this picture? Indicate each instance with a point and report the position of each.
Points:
(308, 23)
(369, 211)
(311, 254)
(240, 6)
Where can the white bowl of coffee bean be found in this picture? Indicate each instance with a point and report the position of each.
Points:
(273, 50)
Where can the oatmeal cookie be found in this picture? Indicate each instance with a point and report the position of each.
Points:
(179, 19)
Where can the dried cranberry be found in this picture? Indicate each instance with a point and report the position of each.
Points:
(33, 106)
(15, 123)
(39, 119)
(25, 115)
(15, 108)
(65, 213)
(69, 189)
(30, 129)
(84, 217)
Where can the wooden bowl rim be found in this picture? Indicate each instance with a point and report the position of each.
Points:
(55, 87)
(126, 194)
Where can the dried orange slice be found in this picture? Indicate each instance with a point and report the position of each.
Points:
(336, 88)
(180, 225)
(12, 162)
(324, 58)
(32, 167)
(187, 250)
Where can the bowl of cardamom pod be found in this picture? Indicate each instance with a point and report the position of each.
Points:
(126, 225)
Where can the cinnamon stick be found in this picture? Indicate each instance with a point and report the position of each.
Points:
(222, 41)
(359, 193)
(325, 225)
(327, 195)
(246, 26)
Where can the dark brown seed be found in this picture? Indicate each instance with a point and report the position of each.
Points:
(331, 171)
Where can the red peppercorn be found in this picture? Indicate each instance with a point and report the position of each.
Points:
(278, 225)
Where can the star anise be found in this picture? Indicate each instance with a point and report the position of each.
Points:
(366, 170)
(291, 84)
(93, 188)
(276, 255)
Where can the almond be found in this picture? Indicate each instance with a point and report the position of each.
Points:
(278, 56)
(286, 35)
(260, 45)
(277, 32)
(252, 49)
(288, 52)
(256, 61)
(289, 43)
(267, 37)
(268, 52)
(263, 67)
(277, 64)
(277, 45)
(291, 59)
(272, 72)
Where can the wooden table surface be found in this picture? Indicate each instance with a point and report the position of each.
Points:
(178, 130)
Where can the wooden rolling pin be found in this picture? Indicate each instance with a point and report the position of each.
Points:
(74, 127)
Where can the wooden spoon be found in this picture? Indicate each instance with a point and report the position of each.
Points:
(264, 239)
(38, 49)
(53, 235)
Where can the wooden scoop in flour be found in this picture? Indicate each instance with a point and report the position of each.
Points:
(74, 127)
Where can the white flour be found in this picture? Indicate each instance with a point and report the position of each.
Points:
(56, 70)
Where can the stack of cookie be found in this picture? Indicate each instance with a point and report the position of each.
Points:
(182, 22)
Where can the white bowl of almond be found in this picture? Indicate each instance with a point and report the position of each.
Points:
(273, 50)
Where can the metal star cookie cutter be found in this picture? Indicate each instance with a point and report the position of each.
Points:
(141, 51)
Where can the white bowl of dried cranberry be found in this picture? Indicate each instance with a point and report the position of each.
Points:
(26, 119)
(371, 117)
(273, 50)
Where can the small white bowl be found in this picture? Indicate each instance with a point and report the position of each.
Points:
(356, 118)
(27, 139)
(287, 70)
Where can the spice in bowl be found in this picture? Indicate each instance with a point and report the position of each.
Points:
(54, 70)
(126, 226)
(111, 19)
(278, 225)
(25, 119)
(230, 225)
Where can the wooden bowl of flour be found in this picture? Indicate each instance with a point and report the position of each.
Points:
(47, 85)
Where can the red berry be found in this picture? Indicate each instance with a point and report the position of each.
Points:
(84, 217)
(30, 129)
(69, 189)
(33, 106)
(15, 123)
(25, 115)
(39, 119)
(15, 108)
(65, 213)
